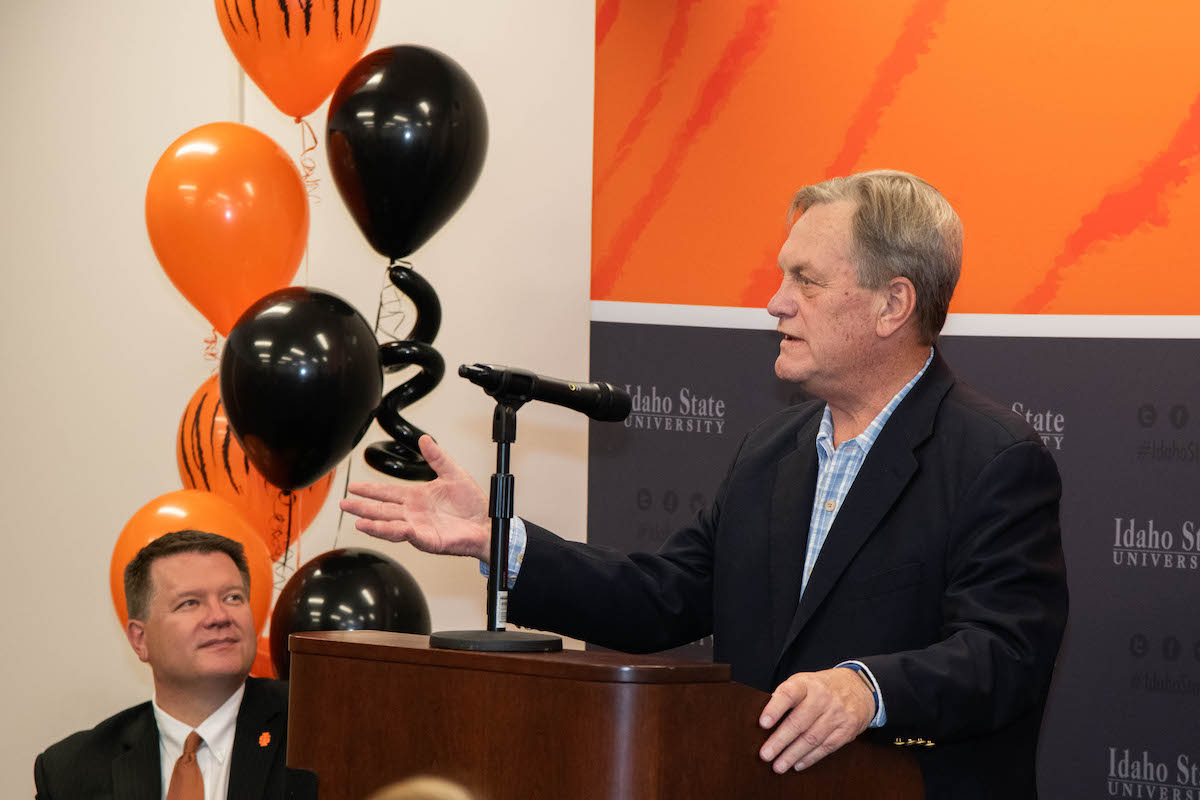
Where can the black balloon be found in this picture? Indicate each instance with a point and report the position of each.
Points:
(346, 590)
(301, 381)
(406, 137)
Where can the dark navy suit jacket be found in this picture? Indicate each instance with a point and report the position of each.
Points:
(943, 572)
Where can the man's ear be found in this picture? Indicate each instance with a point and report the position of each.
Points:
(135, 632)
(900, 302)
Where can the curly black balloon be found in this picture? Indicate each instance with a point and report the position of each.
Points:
(401, 458)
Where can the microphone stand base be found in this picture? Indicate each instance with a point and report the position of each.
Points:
(496, 641)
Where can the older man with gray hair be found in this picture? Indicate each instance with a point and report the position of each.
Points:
(885, 557)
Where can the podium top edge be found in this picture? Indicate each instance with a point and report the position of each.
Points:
(579, 665)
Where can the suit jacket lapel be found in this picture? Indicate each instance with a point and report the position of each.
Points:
(253, 752)
(887, 470)
(791, 511)
(875, 490)
(136, 772)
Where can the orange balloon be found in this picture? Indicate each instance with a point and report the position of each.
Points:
(192, 510)
(297, 51)
(263, 667)
(210, 458)
(227, 215)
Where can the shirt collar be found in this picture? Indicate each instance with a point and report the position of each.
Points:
(866, 439)
(216, 731)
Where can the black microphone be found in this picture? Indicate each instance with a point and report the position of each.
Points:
(600, 401)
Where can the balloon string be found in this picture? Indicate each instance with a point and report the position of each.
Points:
(307, 163)
(390, 317)
(337, 534)
(287, 542)
(382, 294)
(281, 534)
(294, 517)
(309, 166)
(210, 347)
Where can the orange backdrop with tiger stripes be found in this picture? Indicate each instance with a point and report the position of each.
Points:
(1067, 136)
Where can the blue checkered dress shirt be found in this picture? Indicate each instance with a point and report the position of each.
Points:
(836, 471)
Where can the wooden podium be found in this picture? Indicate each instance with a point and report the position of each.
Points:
(368, 708)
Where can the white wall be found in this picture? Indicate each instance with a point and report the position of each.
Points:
(100, 353)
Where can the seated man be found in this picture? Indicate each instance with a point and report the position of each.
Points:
(885, 557)
(210, 731)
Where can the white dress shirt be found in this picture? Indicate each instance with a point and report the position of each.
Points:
(215, 752)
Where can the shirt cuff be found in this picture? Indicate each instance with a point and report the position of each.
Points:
(517, 538)
(880, 718)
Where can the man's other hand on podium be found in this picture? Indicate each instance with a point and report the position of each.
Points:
(816, 712)
(447, 516)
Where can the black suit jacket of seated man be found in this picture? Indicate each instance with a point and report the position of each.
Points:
(119, 758)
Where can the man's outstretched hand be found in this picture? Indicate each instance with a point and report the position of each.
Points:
(448, 515)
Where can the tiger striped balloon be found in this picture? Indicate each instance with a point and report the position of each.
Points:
(296, 51)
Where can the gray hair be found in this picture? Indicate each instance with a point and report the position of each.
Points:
(902, 228)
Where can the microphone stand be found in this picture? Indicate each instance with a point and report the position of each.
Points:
(500, 508)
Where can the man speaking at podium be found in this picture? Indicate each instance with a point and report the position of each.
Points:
(886, 557)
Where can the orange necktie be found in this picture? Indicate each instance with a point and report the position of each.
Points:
(186, 781)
